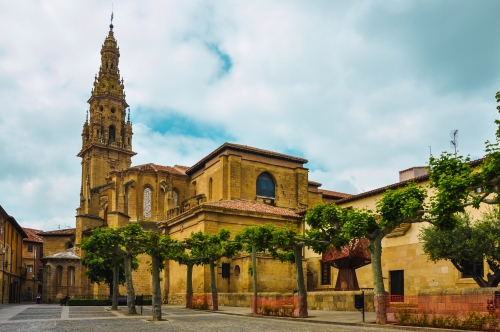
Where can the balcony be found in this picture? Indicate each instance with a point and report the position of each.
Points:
(186, 205)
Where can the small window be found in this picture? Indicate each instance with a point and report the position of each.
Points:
(265, 186)
(30, 248)
(325, 274)
(29, 268)
(477, 267)
(112, 108)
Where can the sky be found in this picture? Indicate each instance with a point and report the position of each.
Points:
(362, 89)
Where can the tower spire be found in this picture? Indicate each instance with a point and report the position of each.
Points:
(111, 25)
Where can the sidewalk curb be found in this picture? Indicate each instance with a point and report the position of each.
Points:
(372, 325)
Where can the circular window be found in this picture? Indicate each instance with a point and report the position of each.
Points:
(237, 270)
(101, 108)
(112, 110)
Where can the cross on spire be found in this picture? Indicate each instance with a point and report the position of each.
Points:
(111, 25)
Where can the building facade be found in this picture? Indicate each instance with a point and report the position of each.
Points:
(31, 261)
(11, 245)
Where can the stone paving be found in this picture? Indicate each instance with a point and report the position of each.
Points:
(82, 319)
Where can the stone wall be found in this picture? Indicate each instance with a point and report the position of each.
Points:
(329, 301)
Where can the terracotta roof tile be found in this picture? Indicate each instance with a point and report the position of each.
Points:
(68, 231)
(252, 206)
(396, 185)
(337, 194)
(33, 235)
(65, 254)
(314, 183)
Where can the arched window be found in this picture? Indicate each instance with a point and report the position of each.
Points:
(265, 186)
(210, 189)
(69, 245)
(59, 272)
(111, 133)
(175, 195)
(147, 202)
(71, 276)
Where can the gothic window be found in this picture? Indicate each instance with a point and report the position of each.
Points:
(210, 189)
(71, 276)
(265, 186)
(147, 203)
(59, 272)
(175, 195)
(111, 133)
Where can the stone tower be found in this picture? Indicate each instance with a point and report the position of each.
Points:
(106, 138)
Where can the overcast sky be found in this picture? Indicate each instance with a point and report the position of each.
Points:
(359, 88)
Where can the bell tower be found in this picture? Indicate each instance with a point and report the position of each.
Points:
(107, 131)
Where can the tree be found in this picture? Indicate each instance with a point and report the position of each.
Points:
(101, 247)
(333, 226)
(160, 248)
(286, 245)
(132, 244)
(190, 258)
(467, 244)
(255, 239)
(210, 248)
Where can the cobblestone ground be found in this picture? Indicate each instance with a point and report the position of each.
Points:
(82, 319)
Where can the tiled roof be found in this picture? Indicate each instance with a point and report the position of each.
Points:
(314, 183)
(65, 254)
(33, 235)
(252, 206)
(329, 193)
(244, 148)
(397, 185)
(68, 231)
(159, 168)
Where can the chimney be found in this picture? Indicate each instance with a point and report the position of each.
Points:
(412, 173)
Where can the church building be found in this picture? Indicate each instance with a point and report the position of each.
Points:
(232, 187)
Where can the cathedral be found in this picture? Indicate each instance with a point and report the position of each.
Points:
(231, 187)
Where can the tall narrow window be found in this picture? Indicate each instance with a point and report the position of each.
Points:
(175, 195)
(265, 186)
(147, 203)
(210, 189)
(71, 276)
(59, 272)
(112, 133)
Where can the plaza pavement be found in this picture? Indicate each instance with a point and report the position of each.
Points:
(50, 317)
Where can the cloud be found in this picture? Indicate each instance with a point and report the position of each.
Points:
(360, 89)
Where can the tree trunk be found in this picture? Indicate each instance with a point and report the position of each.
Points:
(215, 295)
(155, 275)
(378, 280)
(301, 286)
(130, 285)
(189, 286)
(255, 304)
(116, 281)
